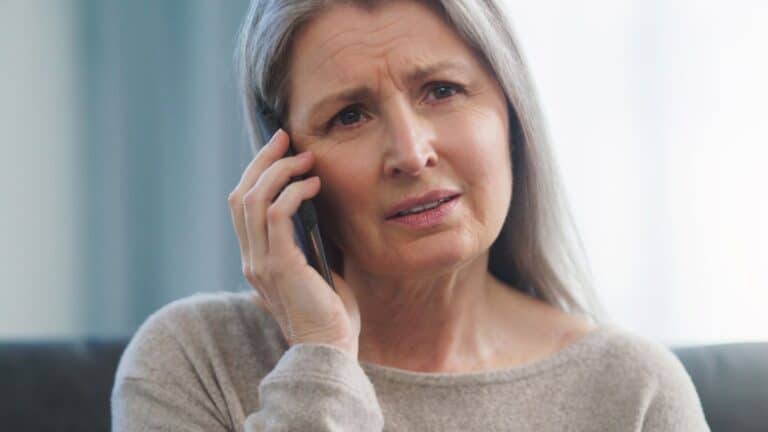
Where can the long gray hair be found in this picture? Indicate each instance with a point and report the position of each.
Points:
(538, 250)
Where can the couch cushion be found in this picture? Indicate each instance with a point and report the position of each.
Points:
(57, 385)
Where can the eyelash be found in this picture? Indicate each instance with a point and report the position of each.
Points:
(332, 122)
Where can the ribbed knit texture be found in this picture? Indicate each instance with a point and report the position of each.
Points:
(218, 362)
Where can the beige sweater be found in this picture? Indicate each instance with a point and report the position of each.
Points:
(217, 362)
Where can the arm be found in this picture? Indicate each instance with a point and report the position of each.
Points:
(143, 405)
(317, 384)
(316, 387)
(165, 382)
(158, 387)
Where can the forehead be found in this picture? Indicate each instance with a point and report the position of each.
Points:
(343, 31)
(347, 45)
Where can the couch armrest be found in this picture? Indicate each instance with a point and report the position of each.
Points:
(732, 383)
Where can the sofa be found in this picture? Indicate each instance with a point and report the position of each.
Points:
(65, 385)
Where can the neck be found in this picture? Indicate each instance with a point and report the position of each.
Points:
(445, 322)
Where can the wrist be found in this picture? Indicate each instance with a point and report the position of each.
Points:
(348, 345)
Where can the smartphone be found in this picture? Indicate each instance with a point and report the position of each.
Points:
(305, 225)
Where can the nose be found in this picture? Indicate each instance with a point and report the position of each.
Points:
(410, 146)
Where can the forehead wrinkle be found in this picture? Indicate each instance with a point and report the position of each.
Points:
(383, 52)
(365, 32)
(333, 55)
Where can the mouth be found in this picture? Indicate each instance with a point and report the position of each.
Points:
(425, 216)
(423, 208)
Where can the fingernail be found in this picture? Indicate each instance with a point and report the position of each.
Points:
(274, 136)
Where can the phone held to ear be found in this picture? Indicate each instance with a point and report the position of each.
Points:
(305, 225)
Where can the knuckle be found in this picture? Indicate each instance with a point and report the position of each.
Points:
(276, 173)
(257, 271)
(282, 164)
(253, 274)
(274, 169)
(275, 212)
(291, 189)
(234, 198)
(250, 198)
(250, 276)
(298, 189)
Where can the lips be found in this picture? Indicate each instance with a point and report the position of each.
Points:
(422, 200)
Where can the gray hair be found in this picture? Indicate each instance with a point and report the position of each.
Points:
(538, 250)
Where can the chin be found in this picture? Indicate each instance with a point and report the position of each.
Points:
(430, 257)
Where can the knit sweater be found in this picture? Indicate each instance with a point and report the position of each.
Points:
(219, 362)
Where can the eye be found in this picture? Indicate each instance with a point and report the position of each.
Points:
(348, 116)
(444, 90)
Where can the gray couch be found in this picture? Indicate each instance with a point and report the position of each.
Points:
(65, 386)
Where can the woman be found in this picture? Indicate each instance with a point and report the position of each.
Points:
(460, 303)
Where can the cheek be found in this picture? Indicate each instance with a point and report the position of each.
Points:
(481, 157)
(347, 192)
(489, 183)
(488, 177)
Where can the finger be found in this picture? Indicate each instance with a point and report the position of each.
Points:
(280, 230)
(272, 151)
(263, 193)
(238, 220)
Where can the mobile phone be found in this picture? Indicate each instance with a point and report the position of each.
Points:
(305, 225)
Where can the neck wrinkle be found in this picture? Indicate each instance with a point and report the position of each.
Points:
(446, 324)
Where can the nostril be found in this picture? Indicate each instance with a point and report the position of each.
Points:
(411, 167)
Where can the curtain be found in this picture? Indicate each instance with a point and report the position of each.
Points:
(163, 144)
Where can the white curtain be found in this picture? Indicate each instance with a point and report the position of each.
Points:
(656, 113)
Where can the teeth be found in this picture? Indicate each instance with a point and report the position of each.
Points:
(422, 207)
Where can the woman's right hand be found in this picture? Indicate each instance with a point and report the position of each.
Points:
(296, 295)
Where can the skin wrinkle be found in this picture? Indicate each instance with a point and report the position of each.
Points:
(367, 32)
(384, 51)
(426, 298)
(364, 31)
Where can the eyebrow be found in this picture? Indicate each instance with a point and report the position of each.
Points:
(364, 92)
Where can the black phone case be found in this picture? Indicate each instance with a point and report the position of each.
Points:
(305, 224)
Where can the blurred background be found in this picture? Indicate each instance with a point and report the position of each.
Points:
(122, 137)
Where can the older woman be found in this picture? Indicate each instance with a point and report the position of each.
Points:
(460, 299)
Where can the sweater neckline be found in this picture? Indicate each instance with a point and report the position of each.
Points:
(573, 351)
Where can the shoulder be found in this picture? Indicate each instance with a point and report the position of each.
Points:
(613, 350)
(200, 329)
(653, 375)
(629, 351)
(616, 350)
(206, 310)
